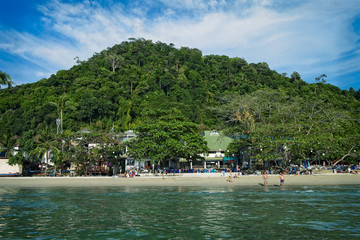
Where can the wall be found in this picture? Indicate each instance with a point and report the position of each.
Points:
(5, 168)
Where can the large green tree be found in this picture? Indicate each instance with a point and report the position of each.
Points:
(302, 128)
(87, 149)
(168, 138)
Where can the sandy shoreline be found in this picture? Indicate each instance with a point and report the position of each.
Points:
(209, 181)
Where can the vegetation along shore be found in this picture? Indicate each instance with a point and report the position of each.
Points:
(143, 107)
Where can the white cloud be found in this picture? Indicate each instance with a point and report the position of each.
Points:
(188, 4)
(307, 37)
(36, 50)
(40, 74)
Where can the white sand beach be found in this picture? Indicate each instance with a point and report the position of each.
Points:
(185, 180)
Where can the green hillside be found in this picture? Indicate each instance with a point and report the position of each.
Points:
(123, 85)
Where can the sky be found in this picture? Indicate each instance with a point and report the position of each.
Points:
(312, 37)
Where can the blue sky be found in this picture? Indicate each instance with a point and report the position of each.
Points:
(40, 37)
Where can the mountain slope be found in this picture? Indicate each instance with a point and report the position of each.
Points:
(123, 83)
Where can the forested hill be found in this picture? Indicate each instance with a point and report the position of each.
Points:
(121, 83)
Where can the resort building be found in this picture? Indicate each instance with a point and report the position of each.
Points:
(216, 157)
(217, 144)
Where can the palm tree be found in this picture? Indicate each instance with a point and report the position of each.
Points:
(63, 102)
(7, 143)
(46, 144)
(5, 79)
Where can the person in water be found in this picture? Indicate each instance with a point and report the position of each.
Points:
(282, 180)
(265, 177)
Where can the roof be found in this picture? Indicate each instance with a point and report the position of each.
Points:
(127, 135)
(216, 141)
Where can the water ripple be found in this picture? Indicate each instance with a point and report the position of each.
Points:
(180, 213)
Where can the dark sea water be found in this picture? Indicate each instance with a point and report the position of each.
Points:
(330, 212)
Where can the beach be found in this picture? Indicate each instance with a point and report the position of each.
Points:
(200, 180)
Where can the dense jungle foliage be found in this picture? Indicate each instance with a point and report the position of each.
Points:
(119, 88)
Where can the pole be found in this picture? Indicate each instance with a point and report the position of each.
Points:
(61, 117)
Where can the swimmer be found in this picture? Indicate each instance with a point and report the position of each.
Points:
(265, 177)
(282, 180)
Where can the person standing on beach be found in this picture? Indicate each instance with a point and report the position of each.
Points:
(230, 177)
(265, 177)
(282, 180)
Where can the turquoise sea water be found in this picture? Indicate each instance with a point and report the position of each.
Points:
(330, 212)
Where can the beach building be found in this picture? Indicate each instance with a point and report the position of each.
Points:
(217, 144)
(5, 168)
(127, 135)
(214, 159)
(8, 170)
(127, 163)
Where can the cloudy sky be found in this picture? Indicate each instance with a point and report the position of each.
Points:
(312, 37)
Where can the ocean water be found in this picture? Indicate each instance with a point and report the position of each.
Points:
(330, 212)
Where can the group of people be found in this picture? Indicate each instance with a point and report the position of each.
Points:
(266, 178)
(132, 173)
(230, 179)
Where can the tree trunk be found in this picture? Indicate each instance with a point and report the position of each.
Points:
(346, 155)
(47, 160)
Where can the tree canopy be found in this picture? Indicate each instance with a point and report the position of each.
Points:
(120, 86)
(303, 128)
(168, 137)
